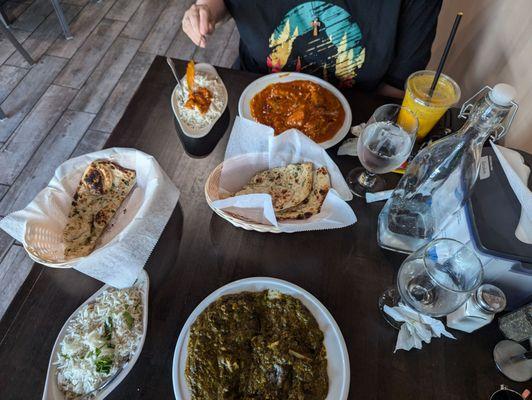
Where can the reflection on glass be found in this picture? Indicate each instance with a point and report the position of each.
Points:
(436, 279)
(383, 146)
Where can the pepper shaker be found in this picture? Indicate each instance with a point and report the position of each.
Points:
(479, 310)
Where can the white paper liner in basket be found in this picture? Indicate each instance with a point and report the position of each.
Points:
(252, 148)
(125, 246)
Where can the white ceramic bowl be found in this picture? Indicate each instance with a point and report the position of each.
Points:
(198, 133)
(51, 388)
(337, 357)
(256, 86)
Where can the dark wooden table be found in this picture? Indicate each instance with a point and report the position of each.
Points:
(199, 252)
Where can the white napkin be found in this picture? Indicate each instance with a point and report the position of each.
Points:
(357, 130)
(378, 196)
(517, 174)
(252, 148)
(349, 146)
(126, 245)
(416, 329)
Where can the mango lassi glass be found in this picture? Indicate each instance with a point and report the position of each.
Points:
(428, 110)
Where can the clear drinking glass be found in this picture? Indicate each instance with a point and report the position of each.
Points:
(435, 280)
(440, 178)
(384, 145)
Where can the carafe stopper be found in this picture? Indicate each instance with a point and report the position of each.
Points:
(501, 94)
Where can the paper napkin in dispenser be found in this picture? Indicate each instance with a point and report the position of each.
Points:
(517, 174)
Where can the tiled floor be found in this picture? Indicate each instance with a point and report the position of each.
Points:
(69, 102)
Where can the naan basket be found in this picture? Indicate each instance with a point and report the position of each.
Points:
(45, 247)
(212, 194)
(125, 245)
(43, 235)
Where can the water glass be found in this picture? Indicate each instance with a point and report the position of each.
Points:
(383, 146)
(436, 279)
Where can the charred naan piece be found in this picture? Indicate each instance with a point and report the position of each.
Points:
(102, 189)
(312, 204)
(288, 185)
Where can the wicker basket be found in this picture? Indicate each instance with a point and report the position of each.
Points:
(46, 247)
(212, 194)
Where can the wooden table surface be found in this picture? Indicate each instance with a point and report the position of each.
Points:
(199, 252)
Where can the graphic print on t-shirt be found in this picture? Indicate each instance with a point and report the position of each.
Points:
(318, 38)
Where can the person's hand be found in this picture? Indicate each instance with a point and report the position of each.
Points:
(198, 22)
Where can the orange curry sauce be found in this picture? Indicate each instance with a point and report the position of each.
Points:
(303, 105)
(200, 99)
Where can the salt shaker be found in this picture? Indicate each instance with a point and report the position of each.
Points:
(479, 310)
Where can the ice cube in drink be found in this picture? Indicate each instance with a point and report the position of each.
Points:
(383, 147)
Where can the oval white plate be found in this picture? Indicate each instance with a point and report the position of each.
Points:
(197, 133)
(337, 358)
(51, 389)
(256, 86)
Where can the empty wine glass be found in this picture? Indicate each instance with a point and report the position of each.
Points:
(384, 145)
(435, 280)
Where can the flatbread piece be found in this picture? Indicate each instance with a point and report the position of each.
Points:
(102, 189)
(312, 204)
(288, 185)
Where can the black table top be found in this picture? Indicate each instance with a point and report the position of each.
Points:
(199, 252)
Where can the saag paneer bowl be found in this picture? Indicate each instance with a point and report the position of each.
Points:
(338, 371)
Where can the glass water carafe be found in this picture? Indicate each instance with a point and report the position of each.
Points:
(439, 180)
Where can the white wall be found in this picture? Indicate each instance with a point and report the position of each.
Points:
(493, 44)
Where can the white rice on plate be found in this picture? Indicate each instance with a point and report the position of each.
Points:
(102, 336)
(192, 117)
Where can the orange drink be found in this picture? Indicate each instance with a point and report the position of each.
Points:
(427, 109)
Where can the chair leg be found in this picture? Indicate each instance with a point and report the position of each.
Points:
(62, 20)
(4, 15)
(2, 115)
(5, 29)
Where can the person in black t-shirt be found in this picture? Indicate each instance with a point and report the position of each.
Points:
(375, 44)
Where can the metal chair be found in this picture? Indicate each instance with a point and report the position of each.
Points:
(3, 13)
(5, 29)
(62, 20)
(58, 11)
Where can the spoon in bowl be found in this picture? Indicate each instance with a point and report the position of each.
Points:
(172, 67)
(90, 395)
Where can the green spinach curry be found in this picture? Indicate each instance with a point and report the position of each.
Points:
(257, 345)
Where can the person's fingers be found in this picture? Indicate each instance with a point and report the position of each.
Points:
(190, 24)
(204, 21)
(197, 23)
(187, 28)
(194, 18)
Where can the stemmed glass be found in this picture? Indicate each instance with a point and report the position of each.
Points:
(435, 280)
(384, 145)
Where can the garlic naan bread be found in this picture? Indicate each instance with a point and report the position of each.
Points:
(103, 187)
(288, 185)
(312, 204)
